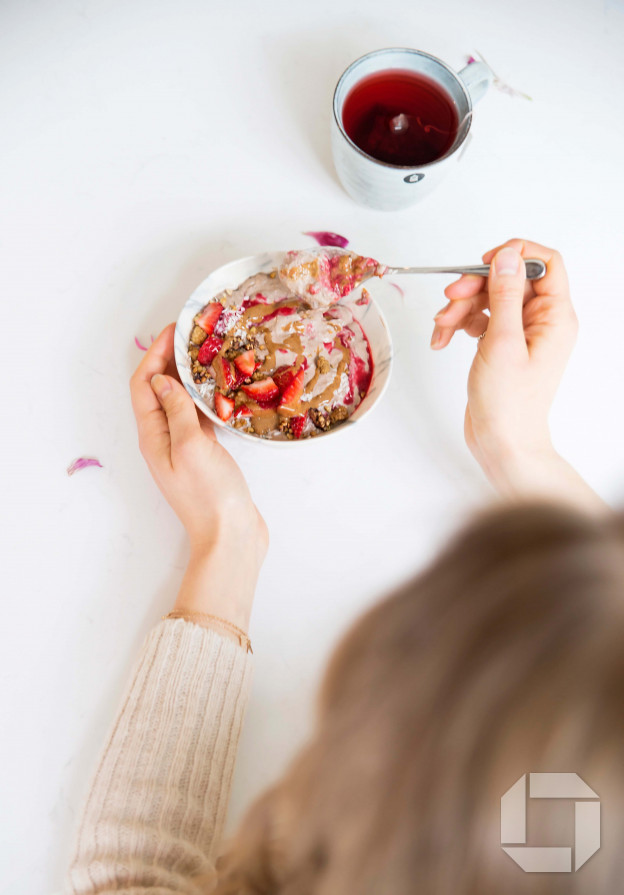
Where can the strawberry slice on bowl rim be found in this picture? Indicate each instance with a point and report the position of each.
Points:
(207, 319)
(224, 406)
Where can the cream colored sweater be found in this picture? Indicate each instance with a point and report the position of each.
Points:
(154, 814)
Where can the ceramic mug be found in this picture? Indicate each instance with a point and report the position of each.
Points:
(388, 187)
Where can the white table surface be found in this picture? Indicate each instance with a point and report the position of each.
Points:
(146, 143)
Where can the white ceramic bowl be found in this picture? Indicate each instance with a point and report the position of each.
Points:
(230, 276)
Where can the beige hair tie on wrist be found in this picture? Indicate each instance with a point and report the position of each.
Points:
(212, 621)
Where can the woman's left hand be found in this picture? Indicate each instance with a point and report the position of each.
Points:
(196, 475)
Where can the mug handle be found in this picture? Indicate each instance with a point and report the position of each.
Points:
(477, 77)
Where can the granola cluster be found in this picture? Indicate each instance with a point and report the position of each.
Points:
(325, 419)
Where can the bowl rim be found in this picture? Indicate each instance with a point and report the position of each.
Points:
(268, 260)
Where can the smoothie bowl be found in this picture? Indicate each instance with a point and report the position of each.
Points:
(285, 347)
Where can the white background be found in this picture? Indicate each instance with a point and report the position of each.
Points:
(142, 145)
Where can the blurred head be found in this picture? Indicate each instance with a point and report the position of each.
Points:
(505, 657)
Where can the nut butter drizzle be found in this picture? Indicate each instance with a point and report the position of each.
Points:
(265, 419)
(325, 395)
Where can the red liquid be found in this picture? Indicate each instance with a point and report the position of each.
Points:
(425, 130)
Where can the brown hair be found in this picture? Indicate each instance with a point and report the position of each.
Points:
(505, 657)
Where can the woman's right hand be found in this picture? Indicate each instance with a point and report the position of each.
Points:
(522, 350)
(525, 346)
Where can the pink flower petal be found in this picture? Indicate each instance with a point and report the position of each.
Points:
(326, 238)
(82, 463)
(138, 344)
(471, 59)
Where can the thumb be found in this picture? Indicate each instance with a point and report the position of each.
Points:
(178, 406)
(506, 292)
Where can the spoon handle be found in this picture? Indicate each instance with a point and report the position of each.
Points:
(534, 269)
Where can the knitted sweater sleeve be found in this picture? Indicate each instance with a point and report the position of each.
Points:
(155, 811)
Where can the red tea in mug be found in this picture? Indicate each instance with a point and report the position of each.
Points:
(400, 117)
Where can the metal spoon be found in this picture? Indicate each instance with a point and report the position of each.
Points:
(534, 269)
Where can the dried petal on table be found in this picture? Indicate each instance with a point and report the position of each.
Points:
(82, 463)
(327, 238)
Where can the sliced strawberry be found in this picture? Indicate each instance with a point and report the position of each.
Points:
(229, 374)
(294, 390)
(283, 376)
(296, 425)
(232, 378)
(228, 378)
(209, 316)
(209, 350)
(245, 362)
(242, 410)
(264, 392)
(224, 406)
